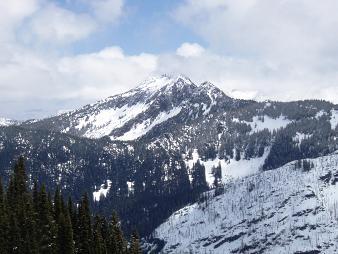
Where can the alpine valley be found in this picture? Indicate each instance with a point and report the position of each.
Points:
(194, 170)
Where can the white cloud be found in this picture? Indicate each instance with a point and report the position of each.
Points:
(283, 31)
(262, 49)
(12, 13)
(40, 78)
(190, 50)
(105, 73)
(107, 10)
(283, 49)
(57, 25)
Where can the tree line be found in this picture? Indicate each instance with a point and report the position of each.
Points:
(32, 220)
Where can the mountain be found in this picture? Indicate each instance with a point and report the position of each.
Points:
(130, 115)
(292, 209)
(7, 122)
(154, 149)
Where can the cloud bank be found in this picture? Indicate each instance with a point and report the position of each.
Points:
(253, 49)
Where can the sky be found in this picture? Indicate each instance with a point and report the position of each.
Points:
(57, 55)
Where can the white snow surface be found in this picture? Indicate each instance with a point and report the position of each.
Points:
(285, 210)
(299, 137)
(230, 169)
(334, 119)
(155, 83)
(103, 191)
(6, 122)
(142, 128)
(269, 123)
(103, 122)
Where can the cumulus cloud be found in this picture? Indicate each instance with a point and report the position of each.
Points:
(285, 31)
(57, 25)
(41, 79)
(107, 72)
(282, 49)
(190, 50)
(12, 13)
(252, 49)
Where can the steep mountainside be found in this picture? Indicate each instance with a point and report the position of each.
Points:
(154, 149)
(292, 209)
(130, 115)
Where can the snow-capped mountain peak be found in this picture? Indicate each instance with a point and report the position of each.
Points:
(132, 114)
(155, 83)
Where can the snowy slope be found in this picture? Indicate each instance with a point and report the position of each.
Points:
(133, 114)
(7, 122)
(230, 169)
(260, 123)
(285, 210)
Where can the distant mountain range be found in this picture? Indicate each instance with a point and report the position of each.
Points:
(154, 149)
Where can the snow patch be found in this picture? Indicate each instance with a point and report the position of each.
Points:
(231, 169)
(334, 119)
(142, 128)
(260, 123)
(103, 191)
(6, 122)
(299, 137)
(102, 123)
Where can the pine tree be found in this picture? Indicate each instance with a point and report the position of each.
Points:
(198, 177)
(116, 240)
(36, 225)
(99, 243)
(65, 242)
(29, 229)
(84, 225)
(4, 225)
(15, 240)
(57, 204)
(35, 195)
(135, 247)
(46, 227)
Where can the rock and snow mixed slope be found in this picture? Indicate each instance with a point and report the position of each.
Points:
(131, 115)
(7, 122)
(285, 210)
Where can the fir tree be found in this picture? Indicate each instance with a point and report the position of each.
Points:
(65, 242)
(198, 177)
(117, 243)
(46, 227)
(4, 225)
(85, 228)
(99, 243)
(135, 247)
(57, 204)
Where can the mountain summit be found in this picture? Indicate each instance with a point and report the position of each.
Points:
(132, 114)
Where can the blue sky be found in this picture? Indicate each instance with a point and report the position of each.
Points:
(57, 55)
(145, 26)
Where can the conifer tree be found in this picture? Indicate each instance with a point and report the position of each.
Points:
(57, 204)
(65, 242)
(46, 227)
(36, 225)
(135, 247)
(198, 177)
(29, 229)
(99, 244)
(35, 195)
(4, 225)
(117, 243)
(84, 225)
